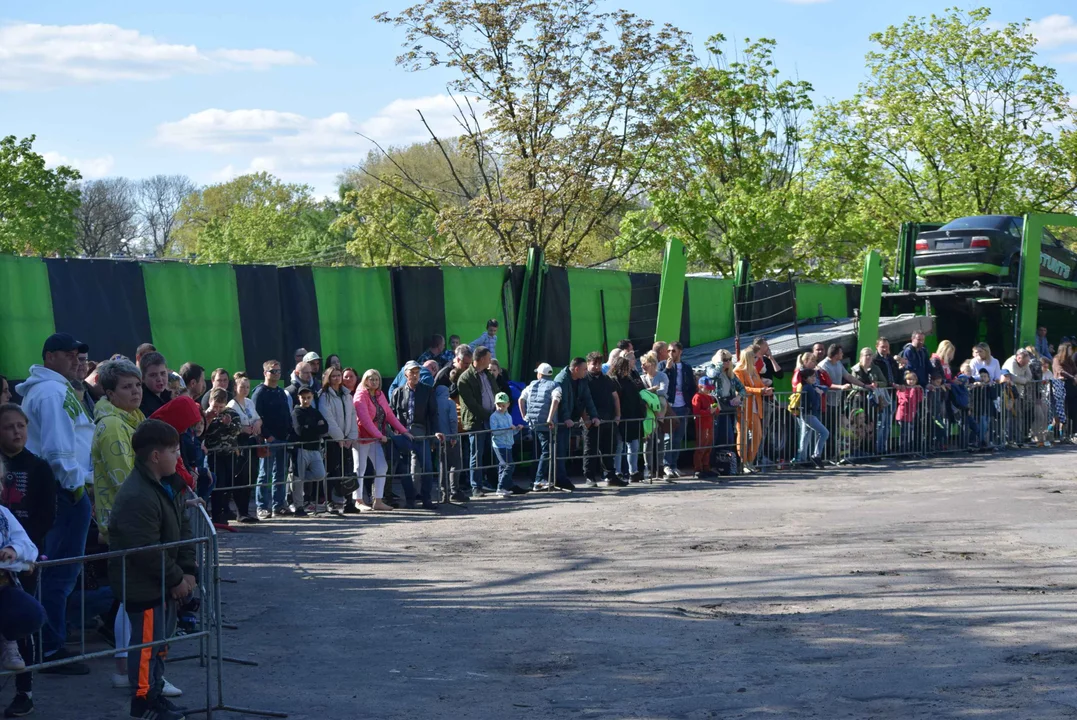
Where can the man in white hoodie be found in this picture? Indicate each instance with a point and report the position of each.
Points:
(61, 433)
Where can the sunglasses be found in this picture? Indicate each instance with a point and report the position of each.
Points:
(275, 371)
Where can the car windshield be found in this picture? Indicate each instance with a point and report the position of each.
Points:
(980, 222)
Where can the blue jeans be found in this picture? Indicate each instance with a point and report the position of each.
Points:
(542, 471)
(675, 439)
(561, 461)
(810, 424)
(20, 614)
(504, 468)
(421, 469)
(478, 449)
(66, 539)
(883, 425)
(273, 469)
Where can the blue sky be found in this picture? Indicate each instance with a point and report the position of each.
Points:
(219, 88)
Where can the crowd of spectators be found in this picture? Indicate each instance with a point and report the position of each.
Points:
(91, 443)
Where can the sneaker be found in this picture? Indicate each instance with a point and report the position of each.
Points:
(517, 490)
(120, 681)
(540, 487)
(818, 462)
(20, 705)
(363, 506)
(311, 508)
(478, 492)
(142, 709)
(10, 658)
(247, 519)
(614, 482)
(381, 506)
(170, 690)
(503, 494)
(282, 512)
(636, 477)
(565, 485)
(669, 473)
(264, 514)
(458, 498)
(73, 668)
(300, 511)
(322, 508)
(589, 484)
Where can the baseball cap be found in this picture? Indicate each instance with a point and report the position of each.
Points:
(63, 342)
(410, 364)
(311, 356)
(300, 351)
(544, 369)
(502, 398)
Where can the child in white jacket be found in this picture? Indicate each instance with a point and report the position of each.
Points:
(20, 614)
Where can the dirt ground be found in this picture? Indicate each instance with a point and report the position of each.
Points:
(942, 589)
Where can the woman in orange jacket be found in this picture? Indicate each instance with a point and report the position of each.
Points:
(750, 416)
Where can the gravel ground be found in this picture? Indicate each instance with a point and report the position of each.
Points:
(936, 590)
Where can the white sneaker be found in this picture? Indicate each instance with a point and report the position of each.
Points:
(170, 690)
(588, 483)
(503, 494)
(669, 472)
(538, 487)
(121, 681)
(10, 658)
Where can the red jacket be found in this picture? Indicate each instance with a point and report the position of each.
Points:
(181, 413)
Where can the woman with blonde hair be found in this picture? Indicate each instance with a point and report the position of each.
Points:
(729, 392)
(982, 360)
(750, 419)
(374, 416)
(941, 359)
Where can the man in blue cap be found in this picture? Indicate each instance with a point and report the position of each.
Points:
(61, 433)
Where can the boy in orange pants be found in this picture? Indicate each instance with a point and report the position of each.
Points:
(703, 407)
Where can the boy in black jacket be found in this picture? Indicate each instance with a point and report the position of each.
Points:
(149, 509)
(310, 427)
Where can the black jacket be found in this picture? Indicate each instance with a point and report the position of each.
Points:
(29, 492)
(152, 403)
(426, 407)
(685, 380)
(602, 388)
(309, 426)
(148, 512)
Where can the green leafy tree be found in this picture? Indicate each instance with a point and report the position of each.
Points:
(957, 118)
(557, 109)
(727, 177)
(257, 218)
(37, 205)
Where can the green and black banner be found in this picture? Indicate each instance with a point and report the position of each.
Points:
(236, 317)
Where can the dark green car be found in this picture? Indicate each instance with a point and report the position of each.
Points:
(987, 248)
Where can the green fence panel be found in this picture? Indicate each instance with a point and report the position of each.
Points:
(355, 312)
(194, 314)
(831, 298)
(25, 314)
(587, 289)
(711, 303)
(473, 296)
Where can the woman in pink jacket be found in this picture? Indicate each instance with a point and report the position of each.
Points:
(372, 412)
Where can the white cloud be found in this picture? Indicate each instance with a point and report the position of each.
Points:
(302, 148)
(91, 168)
(1054, 31)
(44, 56)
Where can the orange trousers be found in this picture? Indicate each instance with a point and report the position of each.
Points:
(749, 435)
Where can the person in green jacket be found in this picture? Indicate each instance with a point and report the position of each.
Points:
(477, 392)
(117, 415)
(148, 510)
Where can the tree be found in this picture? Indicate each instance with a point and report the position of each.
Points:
(37, 205)
(557, 114)
(106, 217)
(159, 199)
(258, 218)
(727, 178)
(957, 118)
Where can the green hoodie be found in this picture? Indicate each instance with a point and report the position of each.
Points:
(112, 456)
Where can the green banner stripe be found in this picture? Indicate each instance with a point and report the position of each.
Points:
(586, 290)
(194, 314)
(814, 300)
(25, 313)
(960, 269)
(473, 296)
(711, 301)
(355, 312)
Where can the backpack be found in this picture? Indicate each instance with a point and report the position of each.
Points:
(794, 401)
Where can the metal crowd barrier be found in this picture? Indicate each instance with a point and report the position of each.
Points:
(861, 424)
(198, 617)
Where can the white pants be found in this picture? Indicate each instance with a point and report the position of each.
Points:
(361, 455)
(121, 628)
